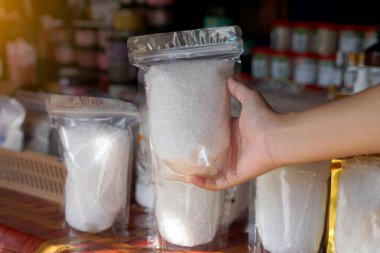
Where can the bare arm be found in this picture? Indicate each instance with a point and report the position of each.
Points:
(263, 140)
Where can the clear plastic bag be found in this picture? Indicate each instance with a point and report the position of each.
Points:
(185, 76)
(290, 209)
(36, 126)
(12, 116)
(357, 226)
(188, 106)
(96, 138)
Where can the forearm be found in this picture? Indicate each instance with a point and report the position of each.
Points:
(346, 127)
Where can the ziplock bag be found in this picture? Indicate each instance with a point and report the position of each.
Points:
(12, 116)
(188, 106)
(185, 76)
(357, 226)
(290, 209)
(36, 126)
(97, 140)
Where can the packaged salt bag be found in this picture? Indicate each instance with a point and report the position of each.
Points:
(96, 139)
(185, 75)
(36, 126)
(290, 209)
(12, 116)
(357, 226)
(144, 192)
(187, 217)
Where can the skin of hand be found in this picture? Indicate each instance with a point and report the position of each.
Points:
(250, 156)
(263, 140)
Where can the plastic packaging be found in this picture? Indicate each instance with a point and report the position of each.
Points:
(185, 75)
(36, 126)
(12, 116)
(290, 208)
(357, 214)
(188, 101)
(96, 140)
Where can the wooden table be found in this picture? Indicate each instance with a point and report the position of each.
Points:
(29, 224)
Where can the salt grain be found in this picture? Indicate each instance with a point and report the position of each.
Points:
(96, 157)
(186, 215)
(358, 207)
(290, 208)
(189, 112)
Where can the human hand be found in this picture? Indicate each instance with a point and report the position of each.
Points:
(250, 154)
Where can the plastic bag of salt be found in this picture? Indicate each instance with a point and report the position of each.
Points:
(185, 77)
(290, 209)
(188, 101)
(96, 138)
(357, 226)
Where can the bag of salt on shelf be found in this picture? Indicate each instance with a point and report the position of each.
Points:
(96, 138)
(357, 225)
(290, 209)
(12, 116)
(36, 126)
(185, 76)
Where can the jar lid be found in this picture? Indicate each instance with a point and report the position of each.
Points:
(305, 55)
(281, 23)
(326, 57)
(323, 25)
(302, 24)
(350, 27)
(263, 50)
(282, 53)
(370, 28)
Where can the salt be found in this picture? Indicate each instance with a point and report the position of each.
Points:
(96, 156)
(291, 206)
(186, 215)
(189, 113)
(358, 208)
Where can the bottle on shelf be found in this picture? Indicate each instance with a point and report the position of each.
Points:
(372, 60)
(361, 82)
(350, 73)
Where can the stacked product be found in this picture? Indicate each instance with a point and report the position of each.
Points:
(304, 53)
(185, 75)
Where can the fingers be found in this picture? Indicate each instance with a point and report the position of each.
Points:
(238, 90)
(215, 183)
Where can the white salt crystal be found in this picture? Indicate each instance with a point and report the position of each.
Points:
(186, 215)
(358, 209)
(96, 157)
(291, 206)
(189, 114)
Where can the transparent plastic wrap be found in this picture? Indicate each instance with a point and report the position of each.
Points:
(96, 138)
(357, 227)
(188, 106)
(12, 116)
(36, 126)
(187, 217)
(185, 76)
(289, 208)
(144, 192)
